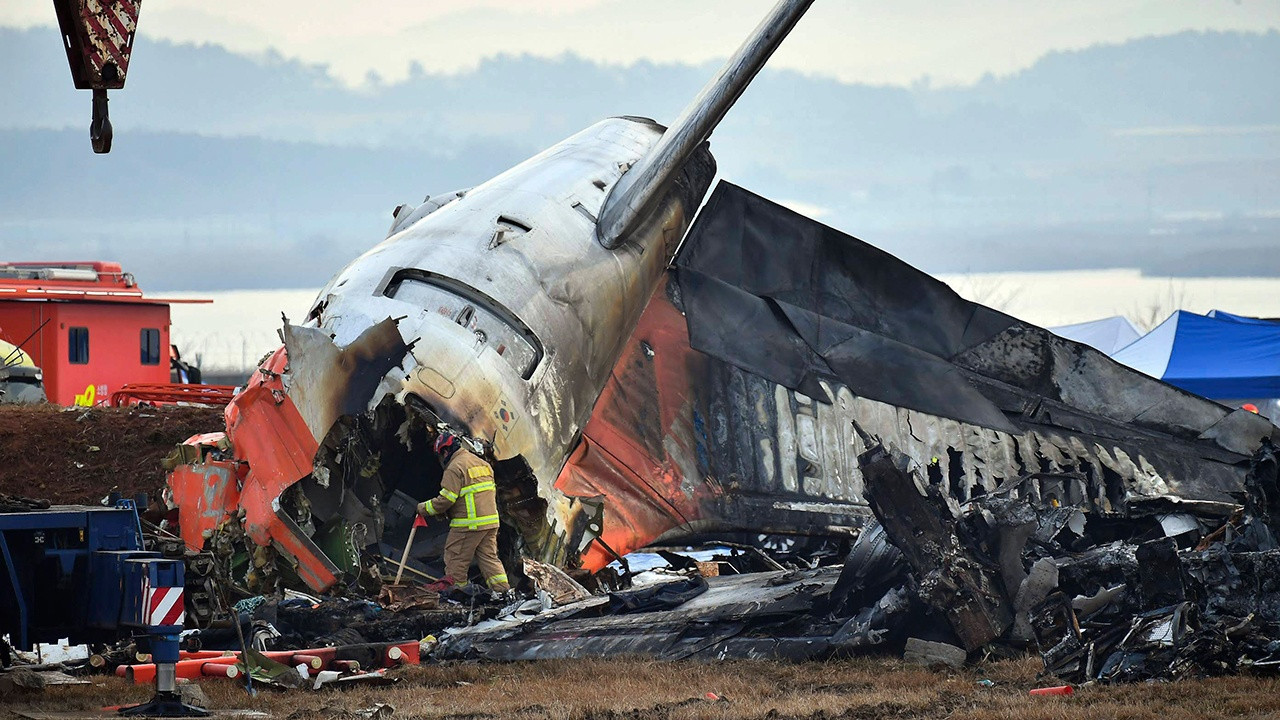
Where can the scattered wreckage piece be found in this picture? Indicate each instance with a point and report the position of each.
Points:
(556, 583)
(754, 615)
(932, 654)
(285, 668)
(18, 679)
(335, 622)
(946, 573)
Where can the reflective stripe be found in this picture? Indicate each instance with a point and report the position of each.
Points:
(450, 496)
(427, 508)
(498, 579)
(468, 495)
(474, 523)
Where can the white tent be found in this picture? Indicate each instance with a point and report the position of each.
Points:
(1108, 334)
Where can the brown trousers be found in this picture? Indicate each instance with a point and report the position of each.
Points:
(463, 545)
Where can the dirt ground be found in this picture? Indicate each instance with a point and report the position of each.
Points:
(78, 455)
(644, 690)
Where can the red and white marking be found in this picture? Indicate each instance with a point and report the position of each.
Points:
(109, 26)
(164, 606)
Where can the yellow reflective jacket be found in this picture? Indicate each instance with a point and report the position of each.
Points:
(467, 494)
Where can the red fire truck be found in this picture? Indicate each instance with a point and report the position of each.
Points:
(86, 325)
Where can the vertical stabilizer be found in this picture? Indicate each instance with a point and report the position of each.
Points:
(636, 193)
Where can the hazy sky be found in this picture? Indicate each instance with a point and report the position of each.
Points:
(855, 40)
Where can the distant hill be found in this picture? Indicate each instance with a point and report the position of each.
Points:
(1141, 153)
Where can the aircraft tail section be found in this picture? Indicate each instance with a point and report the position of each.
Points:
(636, 194)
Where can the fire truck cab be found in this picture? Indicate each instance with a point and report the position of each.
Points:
(86, 325)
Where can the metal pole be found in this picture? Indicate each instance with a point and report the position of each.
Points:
(404, 556)
(166, 678)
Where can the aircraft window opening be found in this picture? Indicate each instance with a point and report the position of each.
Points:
(491, 323)
(465, 315)
(513, 224)
(507, 229)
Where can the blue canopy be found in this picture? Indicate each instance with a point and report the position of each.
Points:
(1210, 356)
(1224, 315)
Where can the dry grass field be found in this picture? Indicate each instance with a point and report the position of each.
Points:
(644, 690)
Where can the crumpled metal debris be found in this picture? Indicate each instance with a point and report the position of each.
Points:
(1113, 597)
(18, 503)
(301, 623)
(754, 615)
(550, 579)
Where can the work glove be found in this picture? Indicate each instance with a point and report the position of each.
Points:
(422, 510)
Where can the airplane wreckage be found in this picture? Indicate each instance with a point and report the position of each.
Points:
(639, 376)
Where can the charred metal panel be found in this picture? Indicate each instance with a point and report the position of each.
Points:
(741, 418)
(762, 615)
(894, 334)
(207, 490)
(327, 381)
(638, 455)
(1019, 399)
(947, 572)
(740, 453)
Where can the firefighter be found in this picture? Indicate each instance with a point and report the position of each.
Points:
(468, 498)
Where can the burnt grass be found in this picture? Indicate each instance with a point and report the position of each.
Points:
(629, 689)
(78, 455)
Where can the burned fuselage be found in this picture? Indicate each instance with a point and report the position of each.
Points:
(736, 406)
(514, 312)
(499, 310)
(774, 343)
(629, 387)
(496, 312)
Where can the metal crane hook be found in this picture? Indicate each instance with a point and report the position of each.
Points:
(100, 127)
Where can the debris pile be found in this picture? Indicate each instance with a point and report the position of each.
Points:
(753, 615)
(297, 623)
(1136, 592)
(1186, 604)
(1131, 594)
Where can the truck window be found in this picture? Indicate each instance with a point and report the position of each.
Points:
(78, 345)
(150, 342)
(491, 323)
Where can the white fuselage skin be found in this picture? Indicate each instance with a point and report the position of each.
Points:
(580, 300)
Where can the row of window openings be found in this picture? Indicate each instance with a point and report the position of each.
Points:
(78, 346)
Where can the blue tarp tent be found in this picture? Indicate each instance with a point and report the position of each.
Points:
(1224, 315)
(1108, 334)
(1214, 357)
